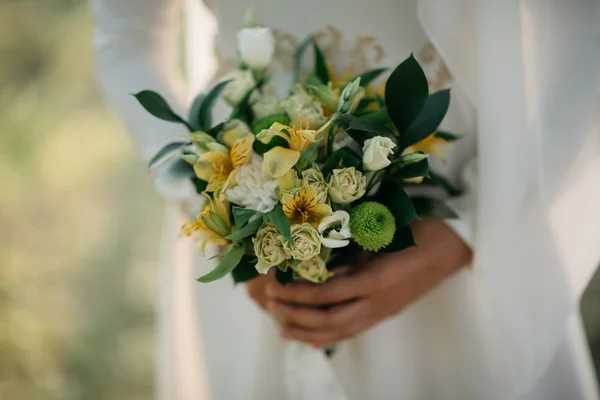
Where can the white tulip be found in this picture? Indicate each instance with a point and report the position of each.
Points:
(376, 152)
(256, 46)
(335, 230)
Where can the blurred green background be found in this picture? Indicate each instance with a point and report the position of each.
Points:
(79, 221)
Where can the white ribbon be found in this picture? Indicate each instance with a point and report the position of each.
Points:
(309, 375)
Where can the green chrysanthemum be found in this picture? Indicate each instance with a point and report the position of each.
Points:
(372, 225)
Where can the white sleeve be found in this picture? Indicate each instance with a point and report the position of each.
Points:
(137, 47)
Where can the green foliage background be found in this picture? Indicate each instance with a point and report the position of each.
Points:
(79, 221)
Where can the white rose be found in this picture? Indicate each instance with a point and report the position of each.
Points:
(256, 46)
(301, 105)
(335, 230)
(242, 81)
(313, 270)
(266, 106)
(376, 152)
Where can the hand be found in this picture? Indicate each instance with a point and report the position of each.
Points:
(257, 288)
(345, 306)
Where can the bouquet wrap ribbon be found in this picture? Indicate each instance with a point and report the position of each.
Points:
(309, 374)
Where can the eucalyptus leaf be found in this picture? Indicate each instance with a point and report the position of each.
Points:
(379, 116)
(165, 151)
(227, 264)
(242, 215)
(194, 112)
(320, 70)
(245, 270)
(204, 117)
(341, 158)
(246, 231)
(427, 207)
(438, 180)
(243, 110)
(365, 103)
(406, 92)
(372, 126)
(278, 218)
(428, 120)
(157, 106)
(367, 77)
(307, 157)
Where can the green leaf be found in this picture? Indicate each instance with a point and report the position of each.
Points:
(284, 277)
(371, 126)
(367, 77)
(403, 239)
(194, 112)
(447, 136)
(246, 231)
(429, 118)
(245, 270)
(224, 253)
(204, 117)
(320, 70)
(379, 116)
(175, 171)
(199, 184)
(215, 130)
(298, 57)
(243, 110)
(227, 264)
(266, 123)
(242, 215)
(165, 151)
(307, 156)
(278, 218)
(396, 199)
(409, 159)
(438, 180)
(427, 207)
(399, 172)
(341, 158)
(261, 148)
(157, 106)
(364, 103)
(406, 92)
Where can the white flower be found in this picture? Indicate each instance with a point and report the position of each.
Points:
(254, 190)
(242, 81)
(335, 230)
(256, 46)
(376, 152)
(266, 106)
(301, 105)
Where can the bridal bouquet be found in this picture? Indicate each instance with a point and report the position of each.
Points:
(305, 183)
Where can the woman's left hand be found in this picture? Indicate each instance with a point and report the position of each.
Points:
(346, 305)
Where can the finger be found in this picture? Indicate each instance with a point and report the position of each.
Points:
(335, 317)
(337, 290)
(320, 339)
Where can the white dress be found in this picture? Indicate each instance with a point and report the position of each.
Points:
(525, 99)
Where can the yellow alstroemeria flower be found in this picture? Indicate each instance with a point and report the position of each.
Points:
(279, 160)
(212, 225)
(218, 168)
(303, 207)
(430, 145)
